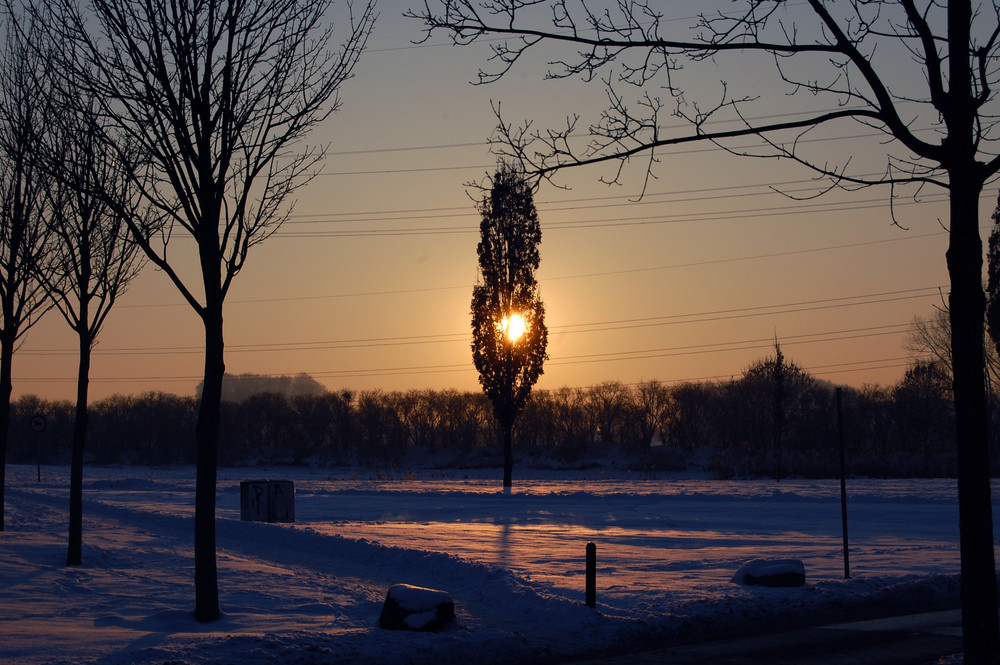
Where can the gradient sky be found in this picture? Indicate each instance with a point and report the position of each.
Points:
(368, 285)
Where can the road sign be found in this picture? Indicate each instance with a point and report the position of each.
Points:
(38, 422)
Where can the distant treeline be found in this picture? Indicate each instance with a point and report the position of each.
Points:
(754, 425)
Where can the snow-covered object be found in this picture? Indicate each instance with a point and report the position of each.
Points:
(771, 572)
(267, 500)
(410, 607)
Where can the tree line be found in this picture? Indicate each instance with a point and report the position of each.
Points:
(725, 427)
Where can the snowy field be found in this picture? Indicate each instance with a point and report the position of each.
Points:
(311, 591)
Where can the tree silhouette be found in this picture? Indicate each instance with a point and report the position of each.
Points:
(27, 256)
(785, 381)
(98, 257)
(508, 319)
(930, 338)
(218, 94)
(923, 74)
(993, 282)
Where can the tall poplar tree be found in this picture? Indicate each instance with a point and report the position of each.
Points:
(509, 336)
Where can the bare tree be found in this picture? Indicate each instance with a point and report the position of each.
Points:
(654, 404)
(218, 94)
(26, 258)
(90, 190)
(931, 336)
(895, 67)
(608, 405)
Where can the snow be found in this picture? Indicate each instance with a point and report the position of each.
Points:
(752, 571)
(420, 620)
(416, 608)
(514, 563)
(417, 599)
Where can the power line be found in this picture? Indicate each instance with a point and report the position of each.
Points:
(606, 273)
(837, 368)
(819, 370)
(412, 148)
(546, 206)
(616, 222)
(715, 122)
(882, 296)
(422, 169)
(742, 345)
(712, 147)
(568, 328)
(751, 257)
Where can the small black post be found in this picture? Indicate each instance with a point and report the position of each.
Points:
(38, 426)
(591, 575)
(843, 486)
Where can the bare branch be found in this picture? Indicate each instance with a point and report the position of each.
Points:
(627, 42)
(216, 94)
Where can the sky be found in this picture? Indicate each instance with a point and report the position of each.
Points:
(368, 284)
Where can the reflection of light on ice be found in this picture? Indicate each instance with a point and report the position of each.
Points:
(671, 540)
(682, 545)
(628, 562)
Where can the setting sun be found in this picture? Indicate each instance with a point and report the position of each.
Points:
(513, 328)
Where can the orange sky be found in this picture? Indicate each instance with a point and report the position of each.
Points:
(368, 285)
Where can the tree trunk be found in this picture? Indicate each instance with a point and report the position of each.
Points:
(207, 436)
(507, 430)
(7, 342)
(967, 304)
(778, 413)
(74, 555)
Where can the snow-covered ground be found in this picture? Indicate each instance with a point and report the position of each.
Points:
(311, 591)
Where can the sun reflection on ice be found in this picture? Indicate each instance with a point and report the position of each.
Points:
(677, 541)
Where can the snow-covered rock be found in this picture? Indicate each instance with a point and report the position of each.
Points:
(771, 572)
(409, 607)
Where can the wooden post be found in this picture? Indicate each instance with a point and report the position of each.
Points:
(591, 575)
(38, 425)
(843, 486)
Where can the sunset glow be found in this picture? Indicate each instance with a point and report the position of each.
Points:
(366, 286)
(513, 328)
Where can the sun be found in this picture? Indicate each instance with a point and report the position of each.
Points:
(513, 328)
